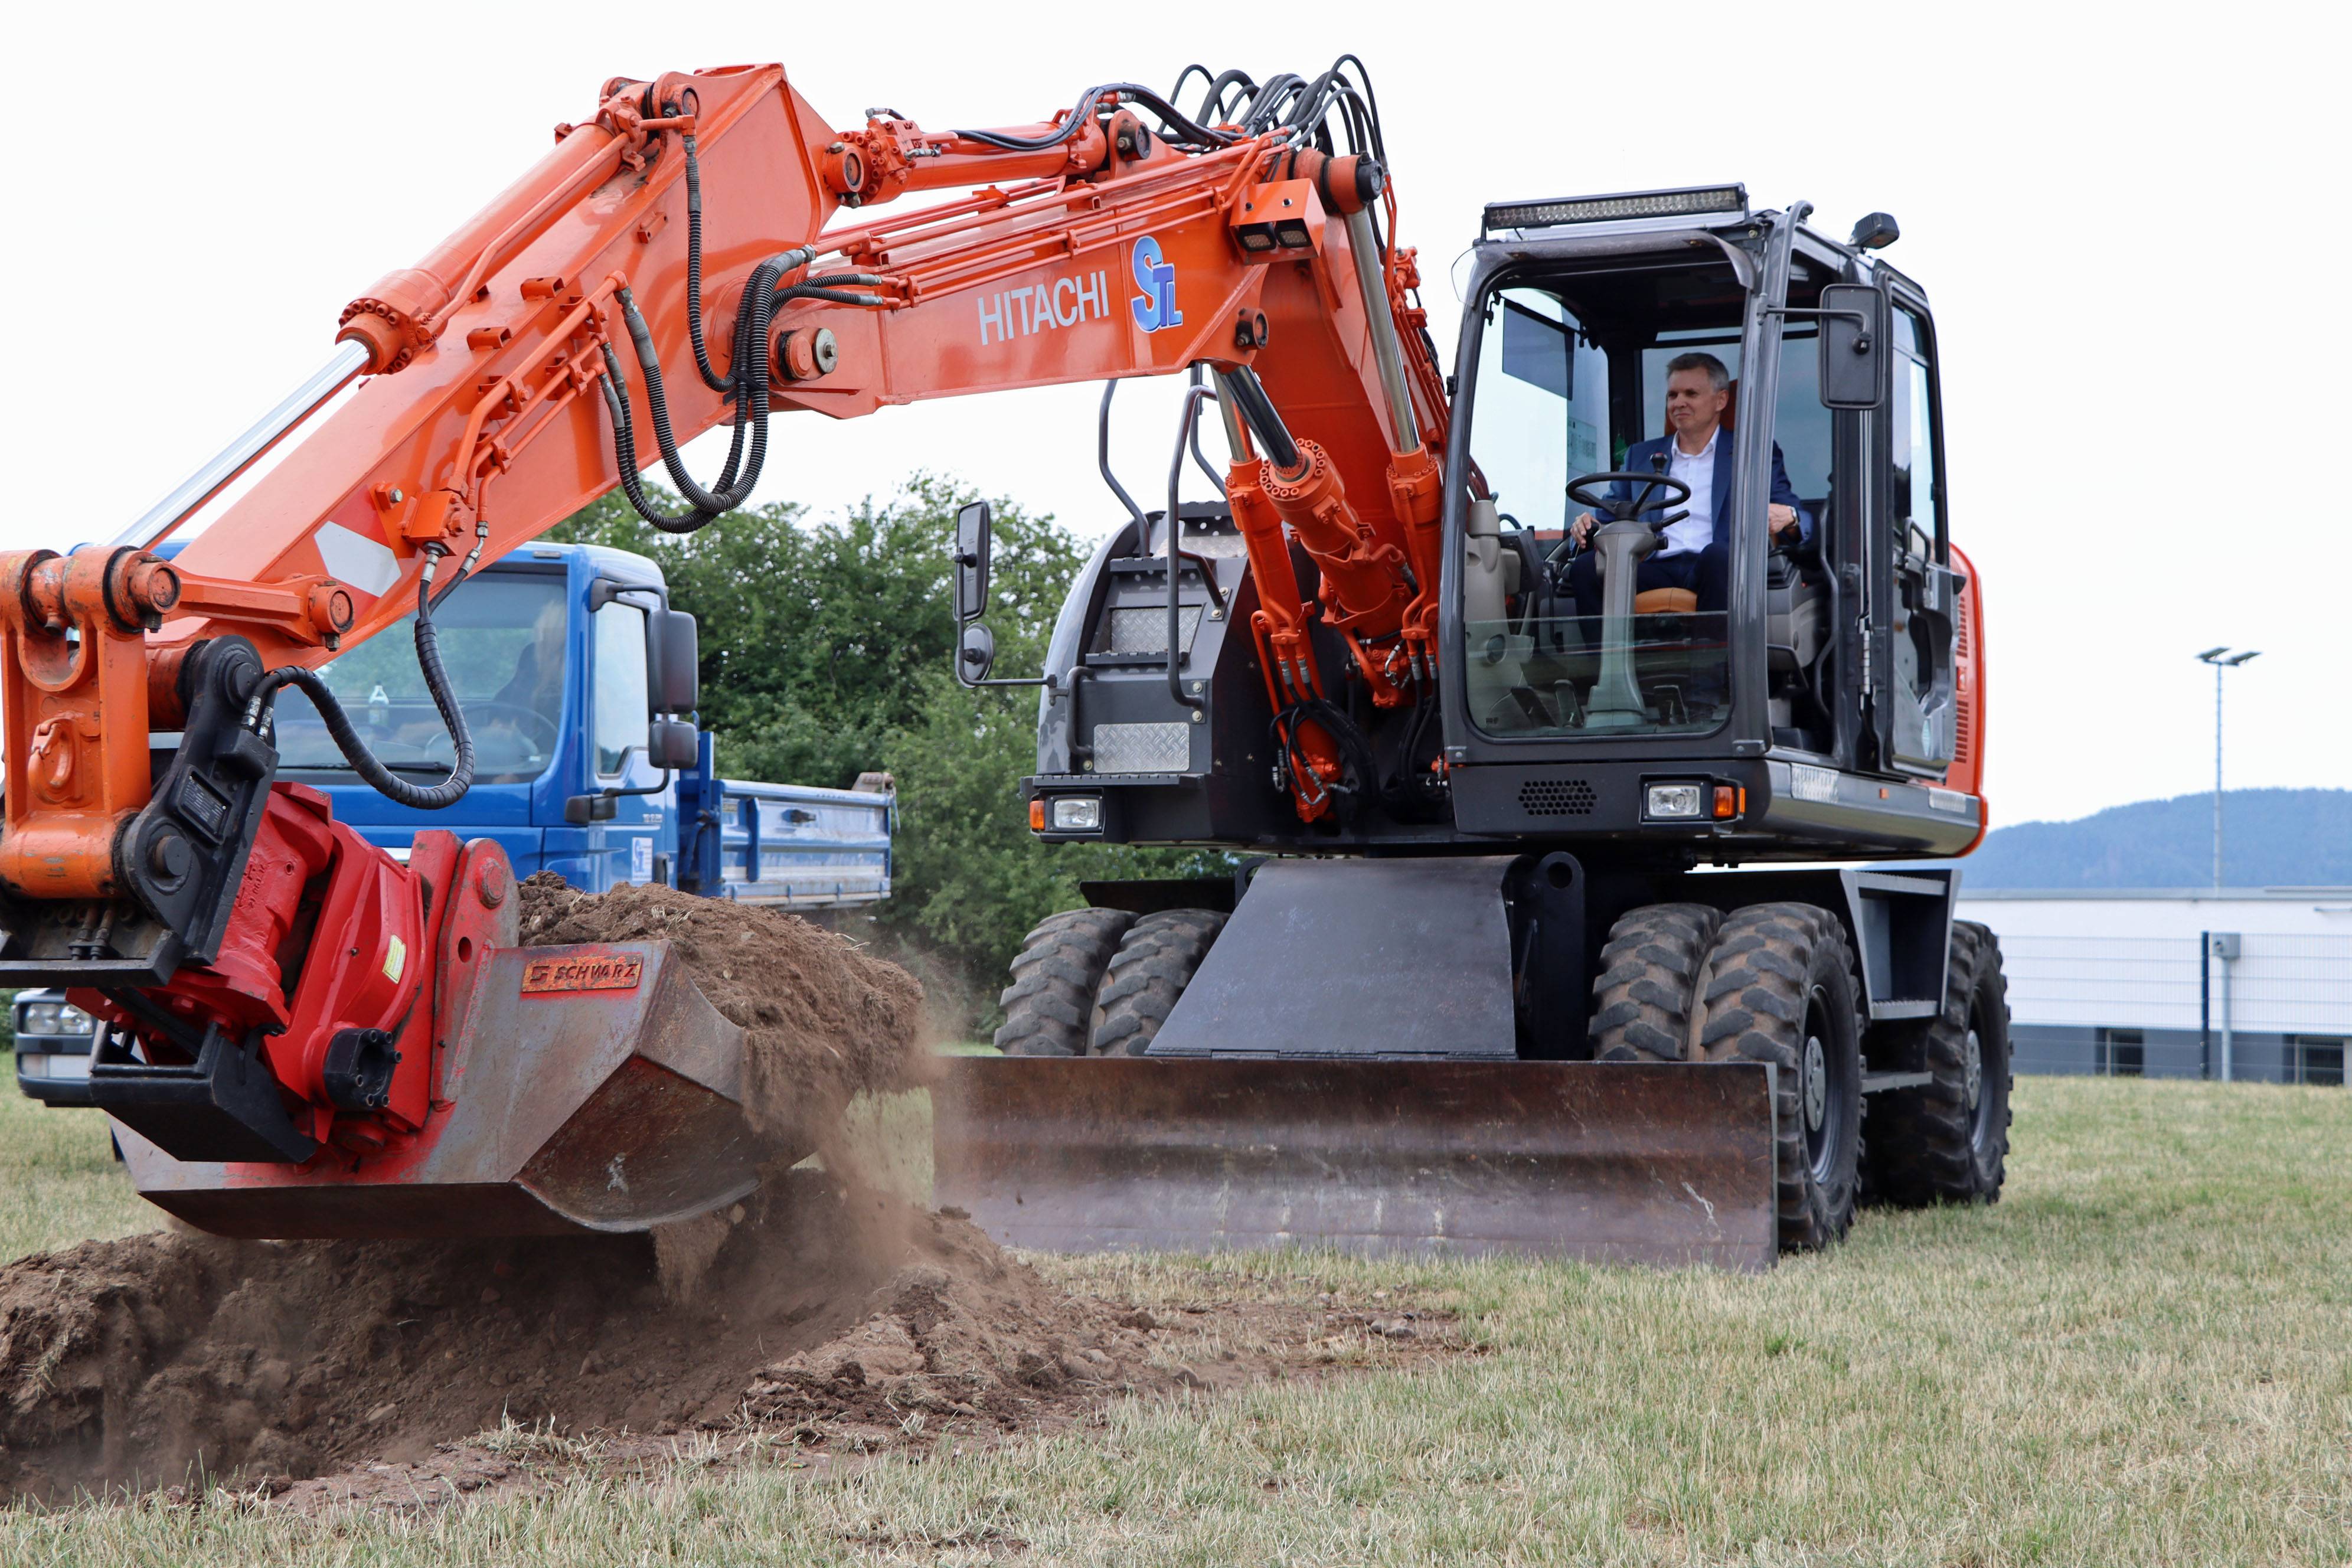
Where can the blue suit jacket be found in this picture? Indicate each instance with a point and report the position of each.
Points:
(1637, 461)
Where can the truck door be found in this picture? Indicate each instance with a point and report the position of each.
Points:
(639, 843)
(1915, 707)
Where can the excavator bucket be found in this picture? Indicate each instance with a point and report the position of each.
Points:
(569, 1103)
(1609, 1162)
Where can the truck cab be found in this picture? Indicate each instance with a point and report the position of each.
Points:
(552, 649)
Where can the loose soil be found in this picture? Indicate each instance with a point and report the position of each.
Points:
(831, 1323)
(822, 1020)
(818, 1315)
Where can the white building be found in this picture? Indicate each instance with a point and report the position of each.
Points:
(2249, 983)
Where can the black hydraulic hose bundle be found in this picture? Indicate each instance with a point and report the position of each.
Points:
(420, 797)
(745, 383)
(1186, 133)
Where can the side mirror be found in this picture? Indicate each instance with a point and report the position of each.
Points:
(1855, 357)
(975, 654)
(672, 662)
(582, 809)
(971, 544)
(673, 744)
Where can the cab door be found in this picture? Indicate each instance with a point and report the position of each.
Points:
(1914, 702)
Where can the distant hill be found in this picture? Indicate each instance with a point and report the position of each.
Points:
(2270, 838)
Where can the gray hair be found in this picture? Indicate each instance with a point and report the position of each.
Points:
(1707, 362)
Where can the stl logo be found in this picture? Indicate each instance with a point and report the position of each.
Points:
(1156, 306)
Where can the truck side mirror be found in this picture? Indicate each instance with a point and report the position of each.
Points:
(1855, 357)
(975, 654)
(971, 545)
(582, 809)
(674, 656)
(673, 744)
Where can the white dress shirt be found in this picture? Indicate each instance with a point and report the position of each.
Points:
(1696, 469)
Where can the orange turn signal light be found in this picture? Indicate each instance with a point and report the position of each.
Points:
(1729, 801)
(1037, 815)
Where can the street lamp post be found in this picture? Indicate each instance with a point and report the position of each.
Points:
(2220, 658)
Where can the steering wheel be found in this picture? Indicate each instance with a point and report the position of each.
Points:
(516, 711)
(1640, 486)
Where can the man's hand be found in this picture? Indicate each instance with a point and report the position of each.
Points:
(1784, 521)
(1582, 529)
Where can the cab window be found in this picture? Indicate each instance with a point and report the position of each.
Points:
(1917, 498)
(616, 675)
(1543, 408)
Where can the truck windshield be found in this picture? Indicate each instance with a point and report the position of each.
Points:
(1572, 382)
(502, 641)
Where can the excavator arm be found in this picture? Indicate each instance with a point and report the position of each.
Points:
(679, 262)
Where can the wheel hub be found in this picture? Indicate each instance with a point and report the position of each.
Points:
(1972, 1070)
(1817, 1091)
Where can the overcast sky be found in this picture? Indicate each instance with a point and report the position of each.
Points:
(2126, 220)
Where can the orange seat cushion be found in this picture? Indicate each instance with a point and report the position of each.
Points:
(1666, 602)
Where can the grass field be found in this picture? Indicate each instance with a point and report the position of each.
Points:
(2143, 1356)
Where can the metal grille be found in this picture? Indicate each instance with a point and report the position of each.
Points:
(1556, 797)
(1145, 630)
(1142, 748)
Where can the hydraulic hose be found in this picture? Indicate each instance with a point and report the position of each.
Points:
(751, 330)
(1083, 116)
(259, 707)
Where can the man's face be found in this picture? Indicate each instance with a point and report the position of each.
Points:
(1693, 408)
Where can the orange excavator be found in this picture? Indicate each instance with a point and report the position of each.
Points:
(1354, 665)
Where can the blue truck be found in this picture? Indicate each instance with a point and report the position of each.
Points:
(578, 682)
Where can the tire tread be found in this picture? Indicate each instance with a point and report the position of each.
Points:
(1049, 1006)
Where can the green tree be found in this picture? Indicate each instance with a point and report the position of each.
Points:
(816, 637)
(826, 650)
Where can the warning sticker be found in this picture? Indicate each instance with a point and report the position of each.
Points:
(583, 972)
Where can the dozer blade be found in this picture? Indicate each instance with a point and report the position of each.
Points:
(592, 1088)
(1602, 1161)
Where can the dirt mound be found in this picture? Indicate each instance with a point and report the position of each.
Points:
(132, 1360)
(822, 1021)
(138, 1358)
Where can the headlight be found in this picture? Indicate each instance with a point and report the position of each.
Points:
(52, 1018)
(1673, 800)
(1077, 814)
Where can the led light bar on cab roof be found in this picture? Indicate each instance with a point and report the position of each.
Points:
(1624, 204)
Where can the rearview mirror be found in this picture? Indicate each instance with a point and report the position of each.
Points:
(1853, 346)
(971, 544)
(582, 809)
(674, 656)
(975, 654)
(673, 744)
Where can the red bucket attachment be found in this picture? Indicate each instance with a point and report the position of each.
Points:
(588, 1088)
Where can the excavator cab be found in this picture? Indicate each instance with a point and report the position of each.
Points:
(1836, 648)
(1819, 701)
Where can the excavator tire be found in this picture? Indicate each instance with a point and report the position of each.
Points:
(1049, 1006)
(1780, 988)
(1642, 999)
(1155, 962)
(1947, 1142)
